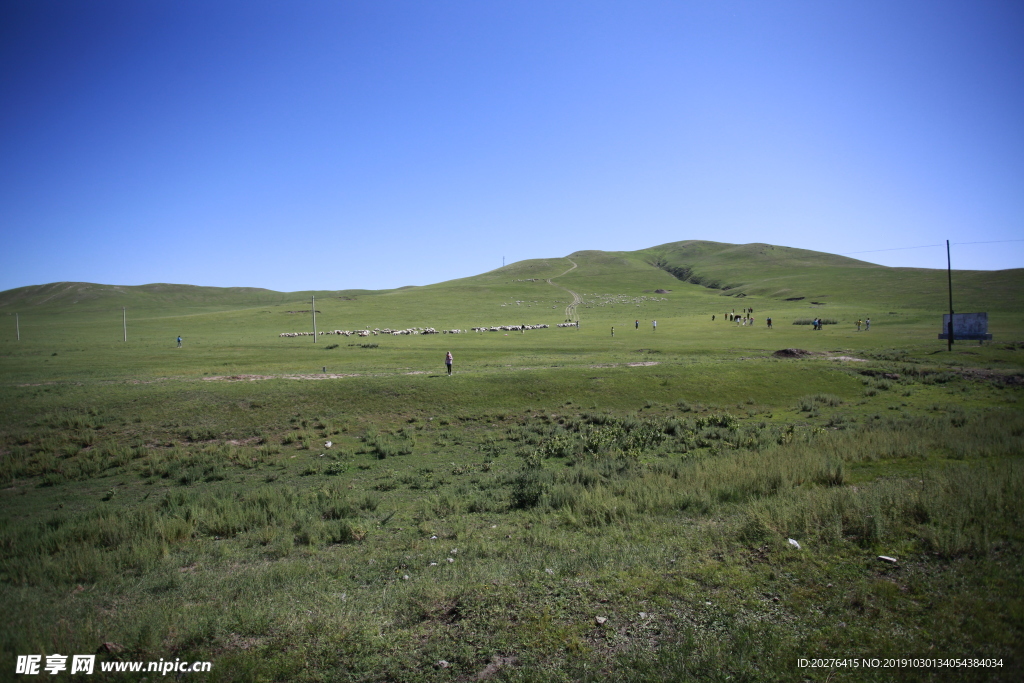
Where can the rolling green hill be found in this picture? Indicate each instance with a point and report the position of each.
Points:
(775, 272)
(692, 269)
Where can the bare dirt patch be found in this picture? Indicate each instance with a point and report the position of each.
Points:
(794, 353)
(236, 378)
(253, 378)
(642, 363)
(491, 670)
(1006, 379)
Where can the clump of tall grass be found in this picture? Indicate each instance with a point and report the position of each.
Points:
(609, 484)
(956, 511)
(73, 419)
(197, 434)
(814, 401)
(390, 444)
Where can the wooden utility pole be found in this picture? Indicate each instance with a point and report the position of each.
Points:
(949, 278)
(314, 319)
(124, 321)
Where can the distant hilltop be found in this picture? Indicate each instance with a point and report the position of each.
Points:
(731, 270)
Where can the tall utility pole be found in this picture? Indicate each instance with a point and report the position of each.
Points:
(949, 278)
(124, 320)
(17, 326)
(314, 319)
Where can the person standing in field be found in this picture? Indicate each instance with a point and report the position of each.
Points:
(179, 341)
(637, 324)
(613, 331)
(448, 362)
(654, 325)
(712, 317)
(867, 324)
(858, 325)
(769, 321)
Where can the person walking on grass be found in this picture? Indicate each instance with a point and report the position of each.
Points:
(448, 362)
(858, 325)
(867, 324)
(179, 341)
(613, 331)
(769, 321)
(637, 324)
(654, 325)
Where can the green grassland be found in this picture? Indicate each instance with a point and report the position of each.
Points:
(569, 505)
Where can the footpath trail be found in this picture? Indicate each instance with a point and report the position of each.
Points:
(570, 310)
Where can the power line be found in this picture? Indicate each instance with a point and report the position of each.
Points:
(924, 246)
(872, 251)
(992, 242)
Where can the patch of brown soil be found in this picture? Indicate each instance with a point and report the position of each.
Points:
(794, 353)
(253, 378)
(496, 664)
(236, 378)
(1014, 380)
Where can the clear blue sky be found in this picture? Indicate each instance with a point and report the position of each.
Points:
(373, 144)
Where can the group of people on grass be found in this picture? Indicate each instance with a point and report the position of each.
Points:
(745, 317)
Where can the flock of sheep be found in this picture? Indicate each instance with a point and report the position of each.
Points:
(374, 332)
(510, 328)
(414, 330)
(621, 299)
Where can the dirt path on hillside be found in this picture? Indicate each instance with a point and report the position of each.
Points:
(570, 310)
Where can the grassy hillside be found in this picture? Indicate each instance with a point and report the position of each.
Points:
(695, 271)
(773, 272)
(570, 505)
